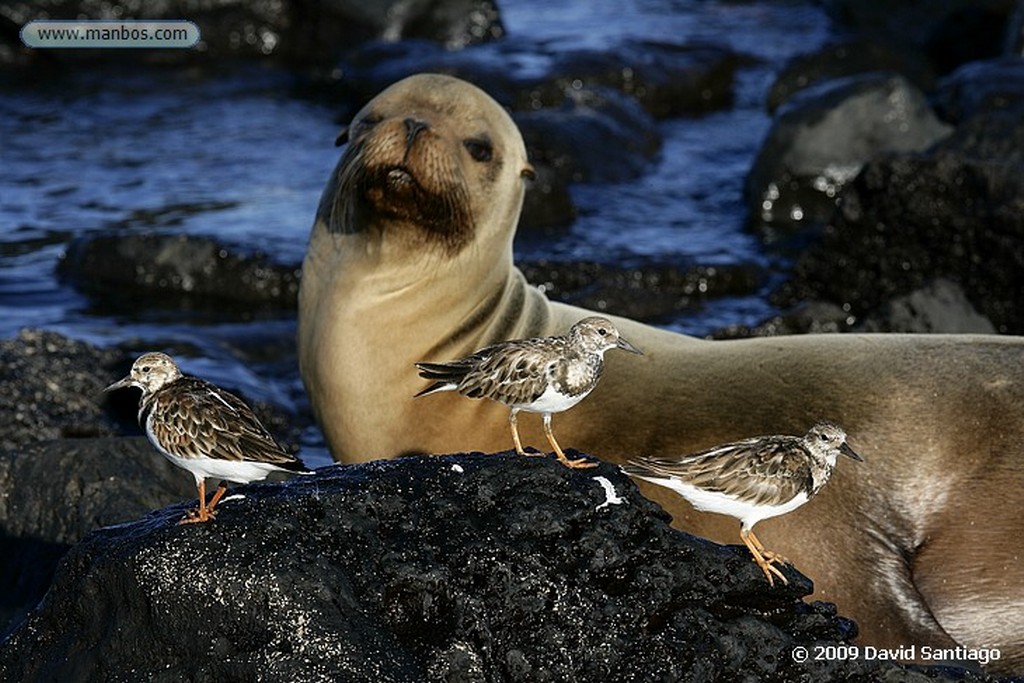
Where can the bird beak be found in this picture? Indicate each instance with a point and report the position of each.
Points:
(626, 346)
(849, 452)
(120, 384)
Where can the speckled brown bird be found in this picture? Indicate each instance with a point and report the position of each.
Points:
(541, 375)
(203, 429)
(752, 479)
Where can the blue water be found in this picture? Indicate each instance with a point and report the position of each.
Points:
(237, 156)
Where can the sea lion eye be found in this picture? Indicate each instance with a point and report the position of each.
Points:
(479, 149)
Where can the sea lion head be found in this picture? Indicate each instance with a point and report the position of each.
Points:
(432, 162)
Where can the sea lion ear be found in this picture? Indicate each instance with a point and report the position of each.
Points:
(528, 172)
(342, 137)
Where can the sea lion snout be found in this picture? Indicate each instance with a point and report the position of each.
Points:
(413, 127)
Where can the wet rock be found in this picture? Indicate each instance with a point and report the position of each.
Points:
(939, 307)
(650, 294)
(668, 80)
(821, 139)
(1015, 33)
(302, 31)
(812, 317)
(194, 271)
(54, 493)
(848, 58)
(982, 88)
(594, 136)
(547, 205)
(51, 387)
(910, 219)
(470, 567)
(951, 32)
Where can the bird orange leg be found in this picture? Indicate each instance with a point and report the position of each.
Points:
(221, 490)
(764, 564)
(513, 422)
(770, 556)
(201, 514)
(580, 463)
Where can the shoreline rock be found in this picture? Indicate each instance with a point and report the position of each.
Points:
(463, 567)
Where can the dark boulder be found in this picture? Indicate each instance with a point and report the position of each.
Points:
(53, 493)
(651, 293)
(907, 220)
(668, 80)
(848, 58)
(187, 270)
(820, 140)
(950, 32)
(593, 136)
(939, 307)
(987, 87)
(51, 387)
(471, 567)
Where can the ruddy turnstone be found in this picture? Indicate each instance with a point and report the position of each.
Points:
(752, 479)
(542, 375)
(203, 429)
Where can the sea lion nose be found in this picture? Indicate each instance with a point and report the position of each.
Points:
(413, 127)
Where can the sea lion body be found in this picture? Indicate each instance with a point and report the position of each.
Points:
(920, 544)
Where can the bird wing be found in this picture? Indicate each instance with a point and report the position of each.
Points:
(759, 470)
(198, 419)
(512, 372)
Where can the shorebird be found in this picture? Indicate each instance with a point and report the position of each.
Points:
(203, 429)
(541, 375)
(752, 479)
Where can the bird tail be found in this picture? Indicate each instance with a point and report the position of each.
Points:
(641, 469)
(446, 376)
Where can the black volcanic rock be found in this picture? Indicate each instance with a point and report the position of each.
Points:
(950, 32)
(847, 58)
(53, 493)
(199, 270)
(444, 568)
(821, 139)
(51, 387)
(652, 293)
(910, 219)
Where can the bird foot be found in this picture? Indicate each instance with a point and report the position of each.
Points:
(578, 464)
(197, 516)
(772, 557)
(768, 569)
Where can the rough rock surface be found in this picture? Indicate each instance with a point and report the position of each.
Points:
(649, 294)
(821, 139)
(445, 568)
(952, 32)
(940, 307)
(55, 492)
(847, 58)
(908, 220)
(51, 387)
(154, 266)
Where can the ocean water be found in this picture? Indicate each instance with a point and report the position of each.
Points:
(237, 155)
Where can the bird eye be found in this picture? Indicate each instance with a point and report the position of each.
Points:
(145, 368)
(479, 149)
(601, 331)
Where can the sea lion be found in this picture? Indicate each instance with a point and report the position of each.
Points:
(410, 259)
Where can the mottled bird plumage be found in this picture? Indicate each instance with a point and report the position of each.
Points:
(540, 375)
